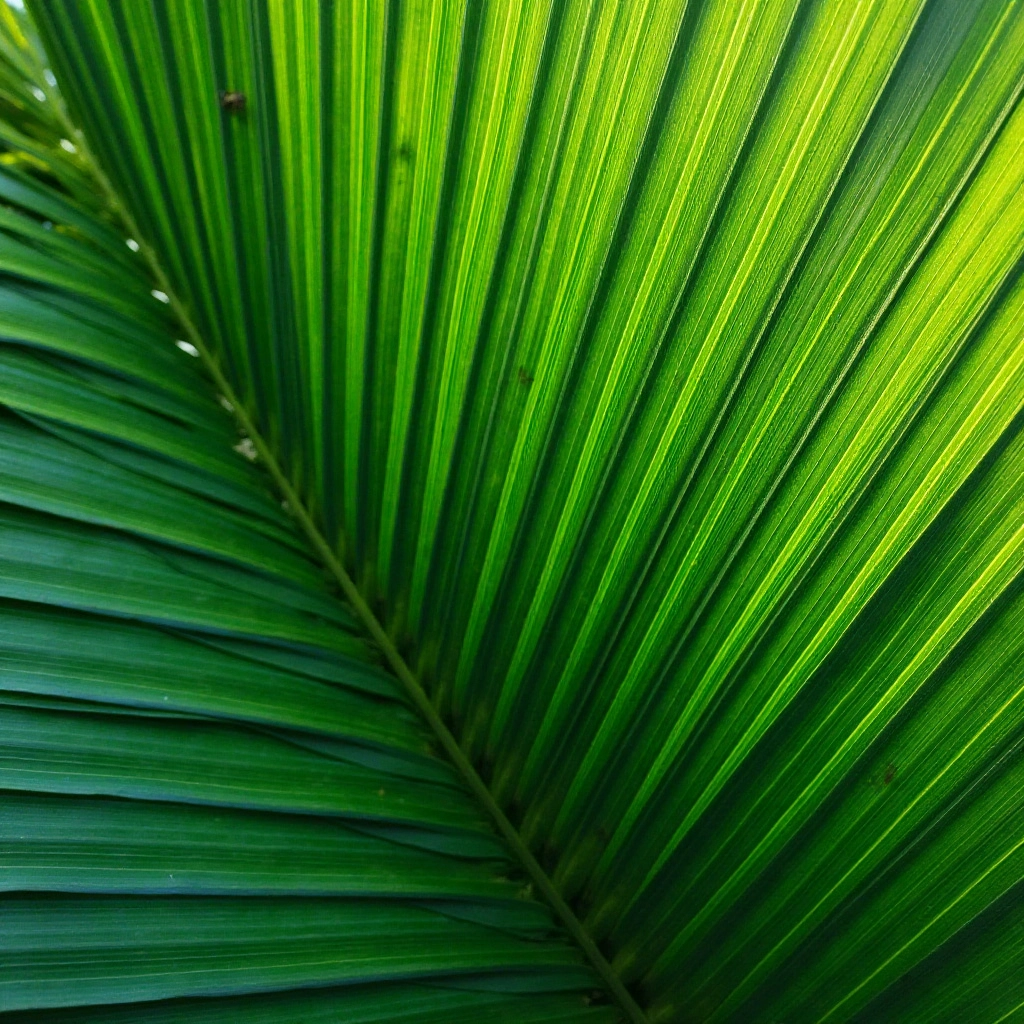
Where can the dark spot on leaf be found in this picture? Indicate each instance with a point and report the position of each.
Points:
(232, 102)
(525, 377)
(406, 152)
(890, 773)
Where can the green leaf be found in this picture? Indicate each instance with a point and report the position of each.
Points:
(70, 950)
(580, 577)
(408, 1003)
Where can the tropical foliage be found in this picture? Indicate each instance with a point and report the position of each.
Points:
(512, 512)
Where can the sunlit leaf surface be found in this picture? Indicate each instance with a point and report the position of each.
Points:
(656, 370)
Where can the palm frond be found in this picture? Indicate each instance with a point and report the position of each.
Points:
(650, 376)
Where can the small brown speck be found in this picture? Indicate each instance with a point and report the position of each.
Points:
(525, 377)
(232, 102)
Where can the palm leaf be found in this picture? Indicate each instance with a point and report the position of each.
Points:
(579, 577)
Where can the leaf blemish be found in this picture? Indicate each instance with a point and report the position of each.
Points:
(232, 101)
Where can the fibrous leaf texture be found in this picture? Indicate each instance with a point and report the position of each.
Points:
(512, 511)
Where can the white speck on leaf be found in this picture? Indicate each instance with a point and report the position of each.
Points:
(247, 448)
